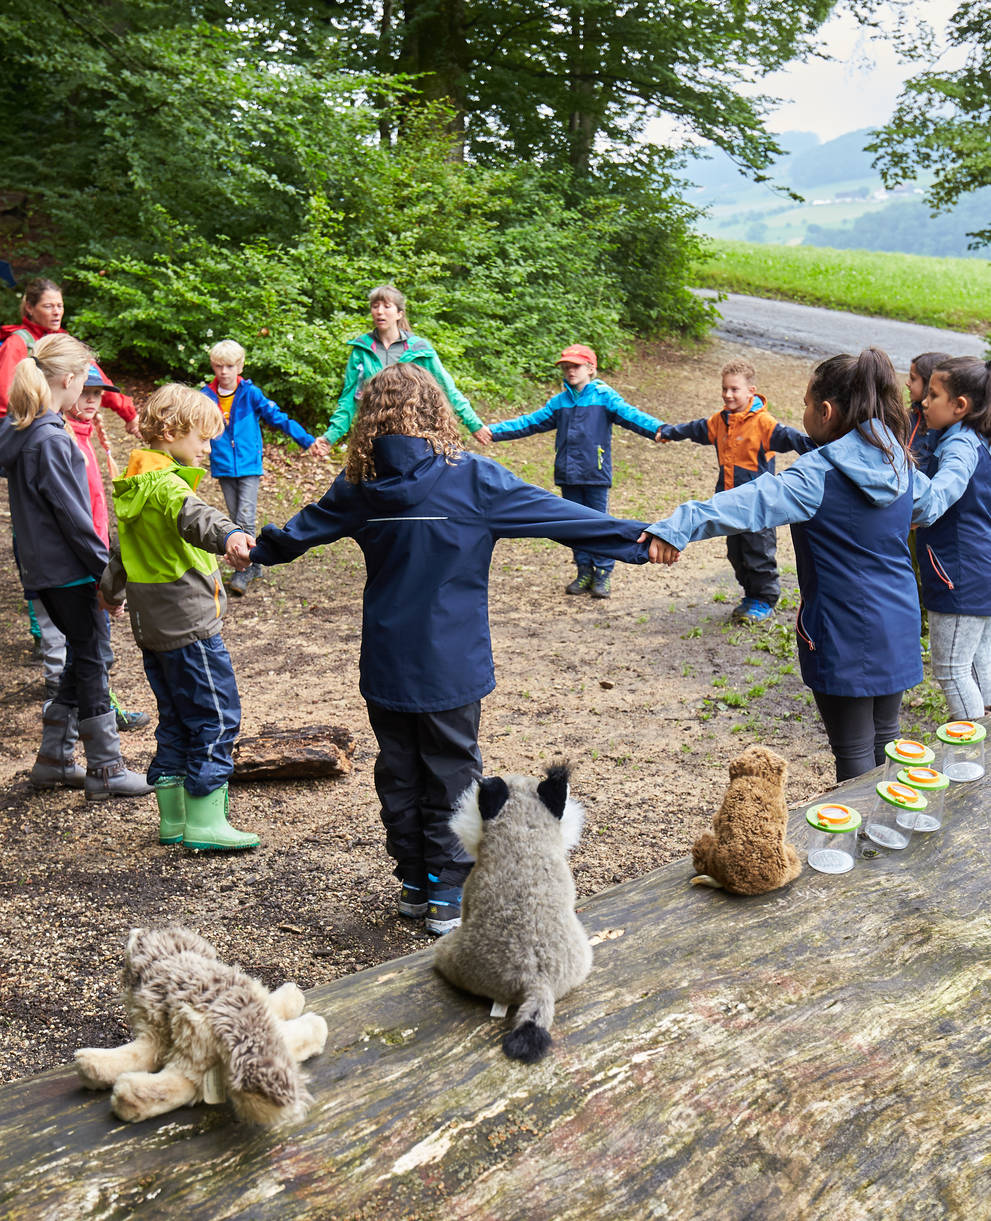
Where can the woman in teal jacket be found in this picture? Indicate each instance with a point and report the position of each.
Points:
(390, 343)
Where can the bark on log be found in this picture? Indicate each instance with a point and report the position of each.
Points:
(821, 1051)
(309, 752)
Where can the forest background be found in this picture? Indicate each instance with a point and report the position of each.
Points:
(194, 170)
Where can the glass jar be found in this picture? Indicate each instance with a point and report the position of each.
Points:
(895, 807)
(933, 785)
(832, 837)
(905, 752)
(963, 750)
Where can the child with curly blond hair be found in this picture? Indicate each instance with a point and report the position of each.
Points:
(427, 515)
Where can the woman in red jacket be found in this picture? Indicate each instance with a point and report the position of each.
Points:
(41, 314)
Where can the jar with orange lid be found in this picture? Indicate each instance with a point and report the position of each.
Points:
(905, 752)
(963, 750)
(892, 819)
(933, 785)
(831, 840)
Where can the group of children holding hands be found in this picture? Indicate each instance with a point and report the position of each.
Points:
(426, 514)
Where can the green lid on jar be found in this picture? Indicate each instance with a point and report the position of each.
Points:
(901, 795)
(909, 752)
(925, 778)
(961, 733)
(832, 816)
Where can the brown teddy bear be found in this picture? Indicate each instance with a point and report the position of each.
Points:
(746, 852)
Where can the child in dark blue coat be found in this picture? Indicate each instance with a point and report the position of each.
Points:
(427, 515)
(583, 415)
(236, 454)
(850, 505)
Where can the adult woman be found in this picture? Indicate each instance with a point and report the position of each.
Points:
(42, 309)
(391, 342)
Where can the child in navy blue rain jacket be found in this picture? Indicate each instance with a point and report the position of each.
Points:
(850, 506)
(236, 454)
(583, 415)
(427, 515)
(953, 543)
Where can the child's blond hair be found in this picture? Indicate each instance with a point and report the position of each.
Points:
(55, 356)
(177, 410)
(227, 352)
(740, 367)
(402, 400)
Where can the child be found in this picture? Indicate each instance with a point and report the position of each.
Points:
(849, 504)
(176, 603)
(391, 342)
(82, 418)
(919, 371)
(583, 415)
(427, 515)
(61, 558)
(236, 452)
(746, 437)
(954, 547)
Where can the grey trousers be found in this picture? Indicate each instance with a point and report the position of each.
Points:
(961, 653)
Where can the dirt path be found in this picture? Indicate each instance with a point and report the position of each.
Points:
(649, 695)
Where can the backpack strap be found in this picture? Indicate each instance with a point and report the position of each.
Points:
(26, 338)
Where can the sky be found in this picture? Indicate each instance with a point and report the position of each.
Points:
(858, 89)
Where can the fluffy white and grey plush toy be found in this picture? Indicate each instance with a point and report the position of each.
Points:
(520, 942)
(203, 1031)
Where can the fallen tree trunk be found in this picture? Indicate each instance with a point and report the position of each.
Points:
(309, 752)
(823, 1050)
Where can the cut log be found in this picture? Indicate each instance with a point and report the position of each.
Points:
(820, 1051)
(307, 752)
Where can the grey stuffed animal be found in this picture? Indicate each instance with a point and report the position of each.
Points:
(520, 942)
(203, 1031)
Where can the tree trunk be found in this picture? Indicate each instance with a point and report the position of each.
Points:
(820, 1051)
(435, 48)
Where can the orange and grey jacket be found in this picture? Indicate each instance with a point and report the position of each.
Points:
(745, 441)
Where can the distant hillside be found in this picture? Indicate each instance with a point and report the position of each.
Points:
(845, 203)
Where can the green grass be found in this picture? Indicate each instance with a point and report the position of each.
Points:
(954, 293)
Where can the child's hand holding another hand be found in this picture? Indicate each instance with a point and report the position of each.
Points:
(238, 553)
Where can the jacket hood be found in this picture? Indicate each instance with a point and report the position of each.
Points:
(406, 471)
(366, 342)
(146, 468)
(25, 324)
(13, 440)
(880, 481)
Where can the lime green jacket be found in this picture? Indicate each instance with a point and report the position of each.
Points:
(365, 361)
(166, 562)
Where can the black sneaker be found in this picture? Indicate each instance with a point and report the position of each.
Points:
(412, 900)
(582, 584)
(444, 907)
(601, 584)
(127, 720)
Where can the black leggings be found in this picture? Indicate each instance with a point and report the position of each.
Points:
(74, 611)
(859, 728)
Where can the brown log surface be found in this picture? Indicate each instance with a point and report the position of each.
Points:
(306, 752)
(821, 1051)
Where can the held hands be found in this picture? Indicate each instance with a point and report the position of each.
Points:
(133, 428)
(660, 552)
(320, 448)
(484, 435)
(114, 609)
(238, 553)
(661, 439)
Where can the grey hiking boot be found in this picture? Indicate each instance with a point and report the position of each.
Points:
(582, 584)
(241, 580)
(56, 764)
(127, 720)
(601, 584)
(106, 772)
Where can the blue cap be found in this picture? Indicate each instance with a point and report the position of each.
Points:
(95, 378)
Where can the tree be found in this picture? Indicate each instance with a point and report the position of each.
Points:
(942, 120)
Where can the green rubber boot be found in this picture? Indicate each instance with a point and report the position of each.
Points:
(171, 798)
(207, 827)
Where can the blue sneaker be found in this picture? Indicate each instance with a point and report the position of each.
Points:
(412, 900)
(756, 612)
(444, 907)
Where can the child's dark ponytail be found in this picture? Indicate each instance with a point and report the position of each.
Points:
(865, 392)
(969, 377)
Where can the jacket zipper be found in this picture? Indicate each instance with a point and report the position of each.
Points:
(938, 568)
(800, 631)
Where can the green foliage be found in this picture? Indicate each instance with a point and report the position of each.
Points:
(938, 292)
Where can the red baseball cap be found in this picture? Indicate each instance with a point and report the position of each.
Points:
(578, 354)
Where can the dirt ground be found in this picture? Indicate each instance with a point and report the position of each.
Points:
(649, 695)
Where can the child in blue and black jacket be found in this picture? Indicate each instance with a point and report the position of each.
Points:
(583, 415)
(427, 515)
(236, 454)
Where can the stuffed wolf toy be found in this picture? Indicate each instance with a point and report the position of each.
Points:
(203, 1031)
(520, 942)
